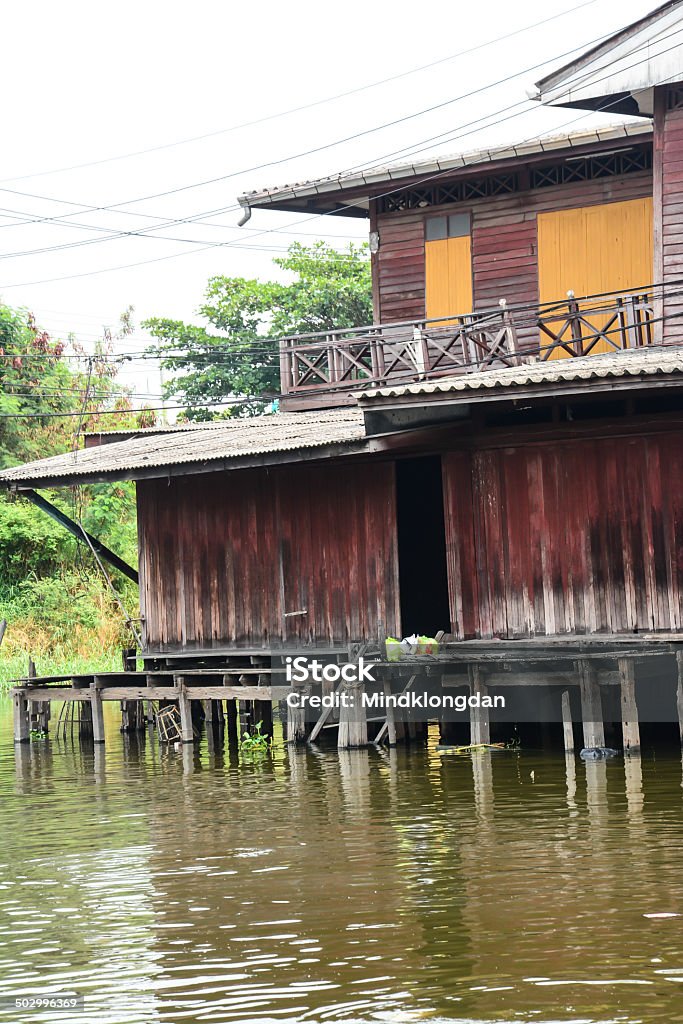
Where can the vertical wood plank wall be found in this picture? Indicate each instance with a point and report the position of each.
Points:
(670, 166)
(257, 556)
(571, 536)
(504, 244)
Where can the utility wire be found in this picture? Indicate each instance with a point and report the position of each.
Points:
(281, 160)
(315, 103)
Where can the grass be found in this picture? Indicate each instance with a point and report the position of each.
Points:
(67, 626)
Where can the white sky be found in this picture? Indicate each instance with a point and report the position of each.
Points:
(83, 84)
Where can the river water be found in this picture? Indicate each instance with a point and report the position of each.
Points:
(186, 886)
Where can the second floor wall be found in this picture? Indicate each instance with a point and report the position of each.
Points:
(530, 245)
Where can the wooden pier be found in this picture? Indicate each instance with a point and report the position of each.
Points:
(179, 698)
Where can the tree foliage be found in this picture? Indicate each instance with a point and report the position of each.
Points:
(48, 396)
(236, 355)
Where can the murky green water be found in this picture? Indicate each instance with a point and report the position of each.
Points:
(182, 886)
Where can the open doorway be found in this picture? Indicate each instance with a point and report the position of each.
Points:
(423, 577)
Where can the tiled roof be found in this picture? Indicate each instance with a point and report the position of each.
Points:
(239, 438)
(637, 363)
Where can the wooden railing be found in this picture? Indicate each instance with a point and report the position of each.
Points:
(346, 360)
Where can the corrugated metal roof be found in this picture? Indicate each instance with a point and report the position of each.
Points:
(259, 435)
(639, 362)
(644, 54)
(474, 158)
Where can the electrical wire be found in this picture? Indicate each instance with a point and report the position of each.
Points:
(315, 103)
(193, 218)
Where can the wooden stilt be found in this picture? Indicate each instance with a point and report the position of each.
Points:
(296, 719)
(231, 716)
(353, 723)
(567, 724)
(208, 712)
(480, 731)
(591, 706)
(263, 713)
(391, 717)
(679, 693)
(629, 709)
(22, 718)
(185, 708)
(97, 712)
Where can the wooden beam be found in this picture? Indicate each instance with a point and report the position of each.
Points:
(629, 709)
(80, 534)
(3, 627)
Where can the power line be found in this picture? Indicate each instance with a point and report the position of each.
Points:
(317, 149)
(314, 103)
(212, 245)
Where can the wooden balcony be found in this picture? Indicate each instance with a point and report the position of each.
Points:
(319, 370)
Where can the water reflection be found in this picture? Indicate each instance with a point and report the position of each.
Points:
(191, 884)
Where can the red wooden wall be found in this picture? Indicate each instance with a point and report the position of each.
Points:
(504, 245)
(225, 556)
(568, 536)
(669, 190)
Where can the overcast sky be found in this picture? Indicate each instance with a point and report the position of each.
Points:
(87, 87)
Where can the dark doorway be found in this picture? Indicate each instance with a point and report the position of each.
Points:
(423, 577)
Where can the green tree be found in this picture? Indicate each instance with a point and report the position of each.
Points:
(326, 289)
(48, 397)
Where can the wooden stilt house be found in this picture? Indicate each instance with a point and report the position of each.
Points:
(500, 455)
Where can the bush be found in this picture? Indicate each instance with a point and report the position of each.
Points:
(62, 621)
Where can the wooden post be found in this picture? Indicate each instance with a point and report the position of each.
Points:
(567, 724)
(591, 706)
(22, 719)
(185, 706)
(263, 713)
(391, 717)
(629, 709)
(679, 693)
(353, 723)
(480, 730)
(296, 718)
(97, 712)
(3, 627)
(231, 716)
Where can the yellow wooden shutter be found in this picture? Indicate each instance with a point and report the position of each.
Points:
(448, 270)
(595, 249)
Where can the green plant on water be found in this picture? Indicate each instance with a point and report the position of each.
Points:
(254, 741)
(38, 734)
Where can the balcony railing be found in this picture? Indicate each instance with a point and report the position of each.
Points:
(342, 361)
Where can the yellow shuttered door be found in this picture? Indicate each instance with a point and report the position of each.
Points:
(448, 270)
(595, 249)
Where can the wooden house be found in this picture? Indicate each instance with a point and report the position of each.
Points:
(500, 455)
